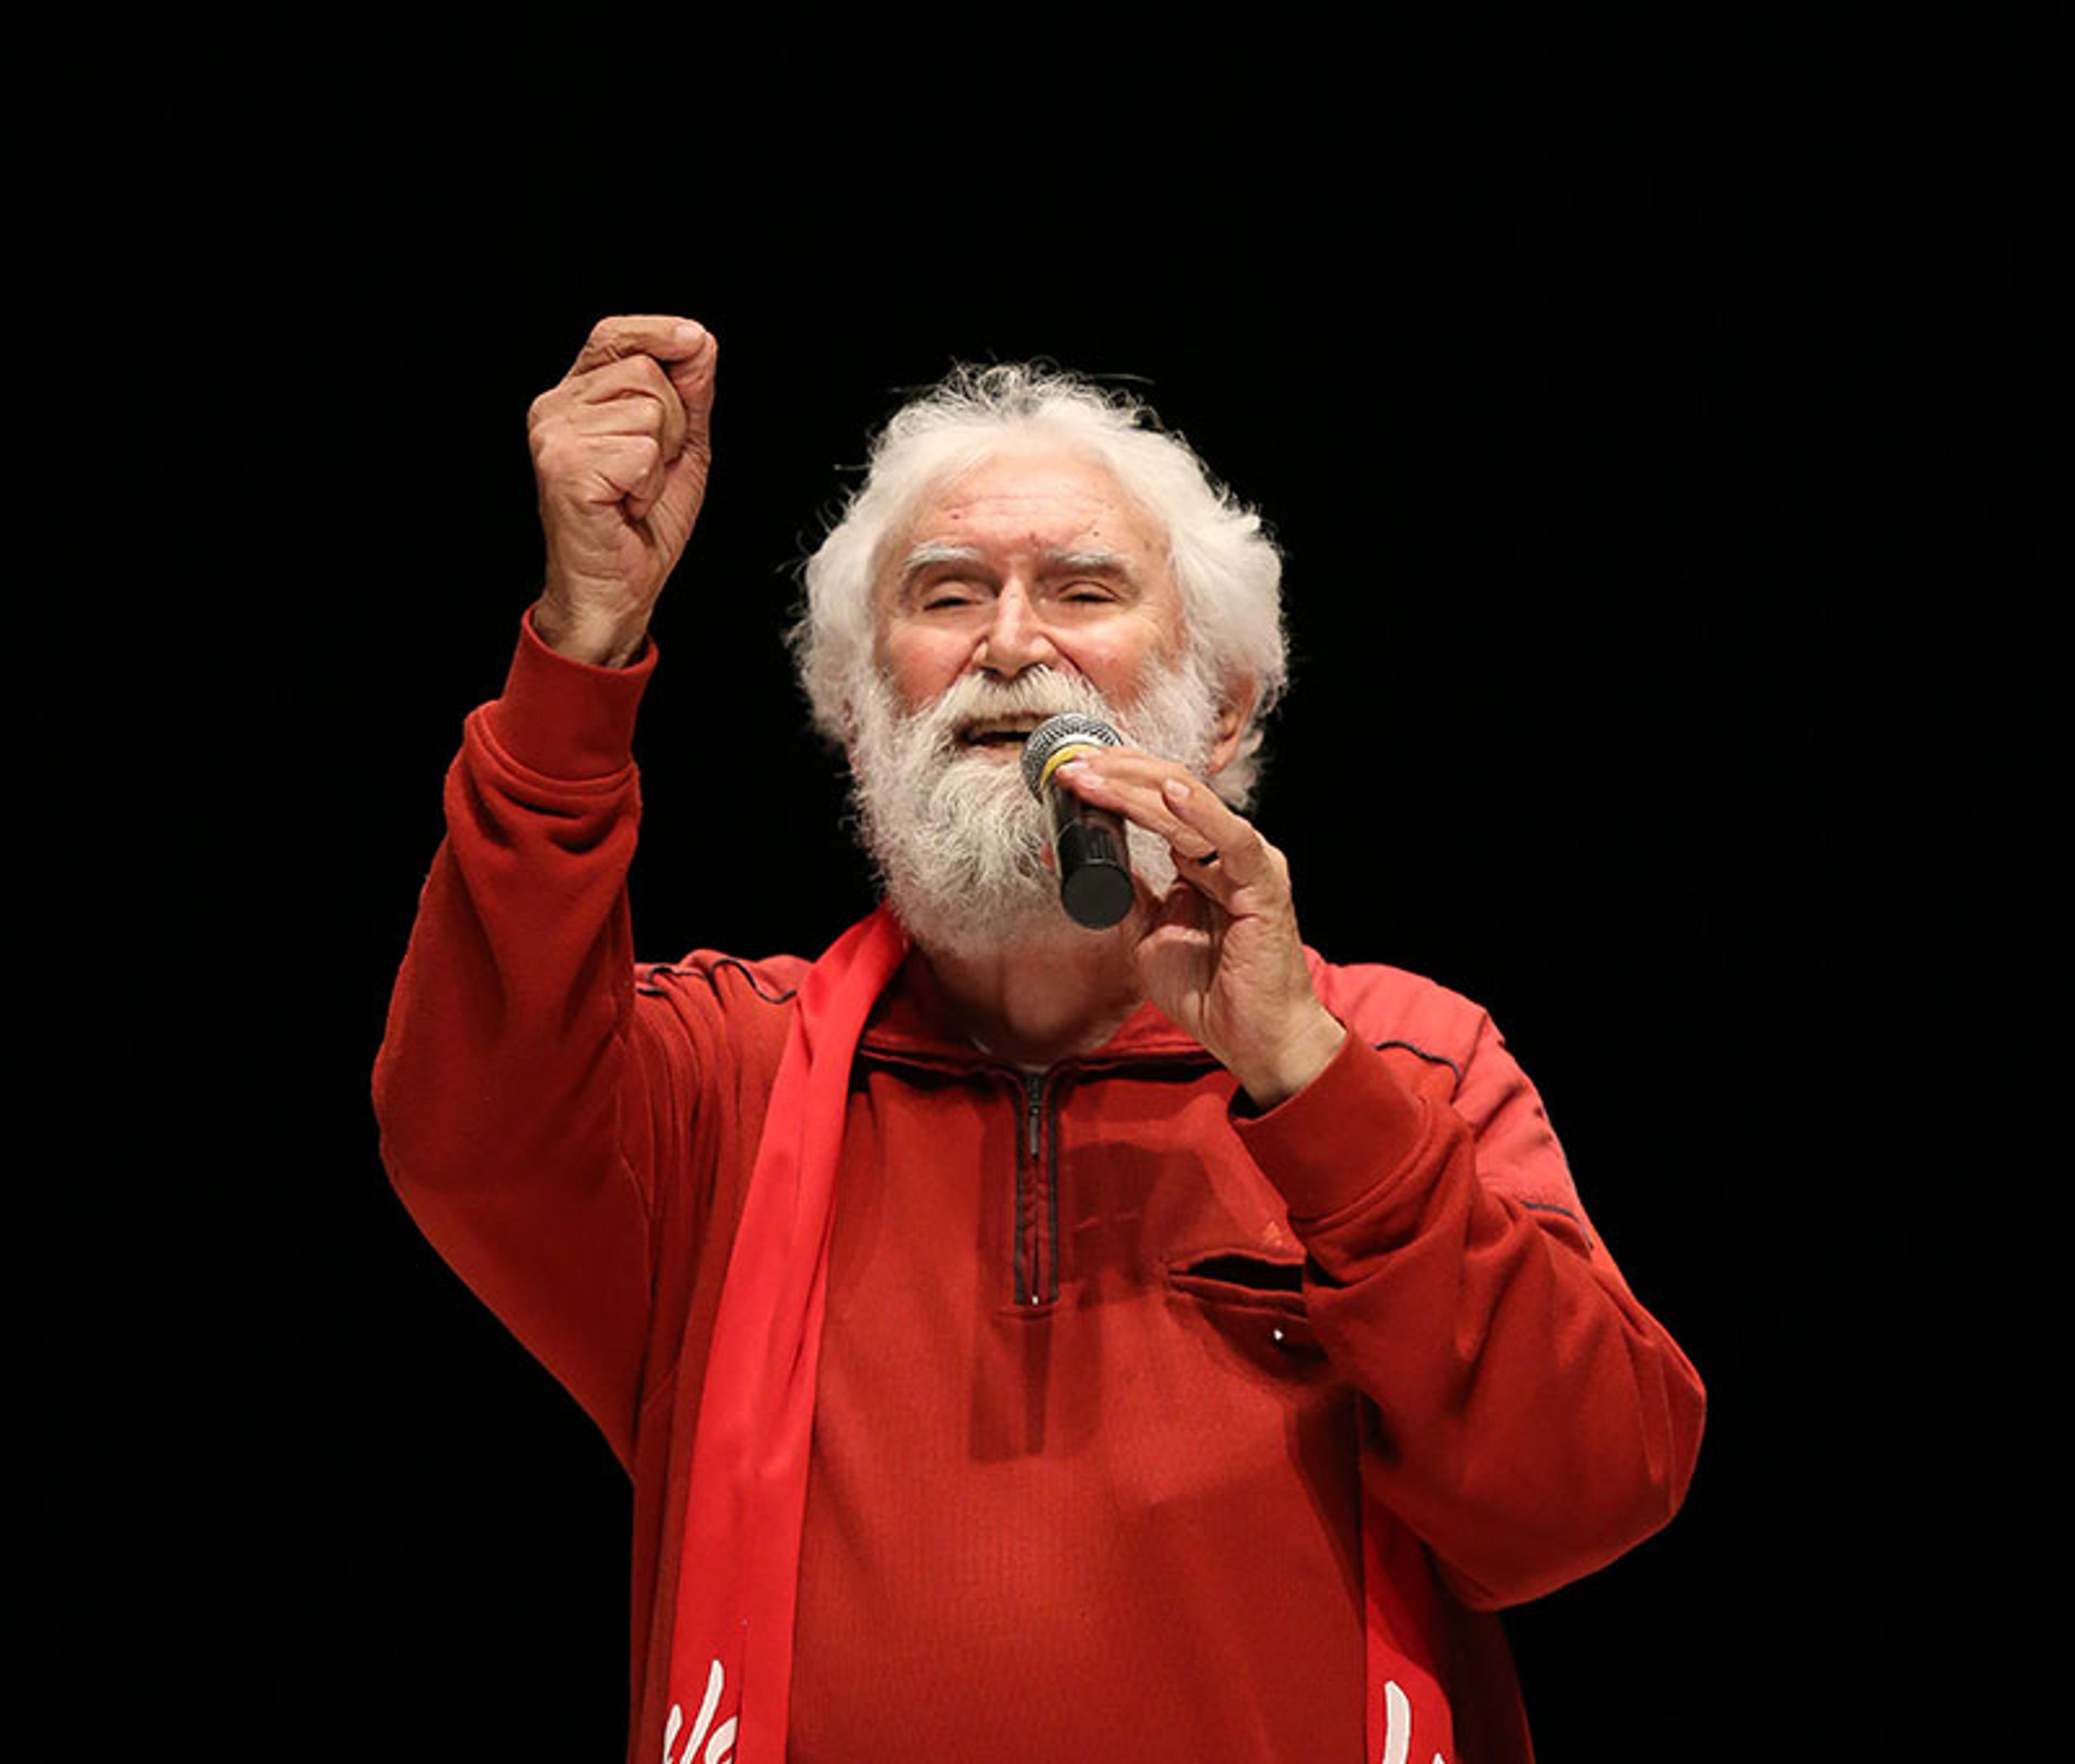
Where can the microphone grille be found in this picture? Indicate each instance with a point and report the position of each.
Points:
(1069, 729)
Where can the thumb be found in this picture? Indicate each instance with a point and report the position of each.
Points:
(675, 509)
(693, 380)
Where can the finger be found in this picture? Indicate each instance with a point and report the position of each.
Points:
(1198, 827)
(1193, 856)
(1239, 868)
(635, 391)
(1230, 846)
(1219, 853)
(1143, 807)
(648, 490)
(617, 467)
(667, 338)
(1136, 785)
(679, 497)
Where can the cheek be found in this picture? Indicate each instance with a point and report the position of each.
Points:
(917, 666)
(1118, 663)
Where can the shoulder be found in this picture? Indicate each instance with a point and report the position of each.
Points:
(1399, 1012)
(732, 982)
(1393, 1007)
(725, 1010)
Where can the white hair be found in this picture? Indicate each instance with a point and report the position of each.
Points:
(1226, 568)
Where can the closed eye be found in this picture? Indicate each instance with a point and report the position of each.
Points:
(950, 589)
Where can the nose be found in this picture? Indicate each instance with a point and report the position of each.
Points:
(1016, 637)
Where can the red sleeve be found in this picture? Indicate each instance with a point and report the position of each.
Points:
(518, 1095)
(1535, 1421)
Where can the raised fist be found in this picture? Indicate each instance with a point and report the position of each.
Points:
(621, 451)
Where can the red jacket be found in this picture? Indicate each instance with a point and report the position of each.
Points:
(1108, 1355)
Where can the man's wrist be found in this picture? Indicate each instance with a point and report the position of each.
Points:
(563, 719)
(597, 639)
(1293, 1062)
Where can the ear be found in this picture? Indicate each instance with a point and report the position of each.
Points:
(1242, 694)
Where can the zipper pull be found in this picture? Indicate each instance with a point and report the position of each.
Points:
(1033, 1113)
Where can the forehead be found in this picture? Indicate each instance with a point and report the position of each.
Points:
(1035, 495)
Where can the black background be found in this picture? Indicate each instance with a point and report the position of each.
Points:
(1661, 468)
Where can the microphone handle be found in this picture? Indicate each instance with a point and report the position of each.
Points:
(1094, 865)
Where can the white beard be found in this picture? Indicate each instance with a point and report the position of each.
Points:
(956, 836)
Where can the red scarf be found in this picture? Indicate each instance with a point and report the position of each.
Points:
(738, 1569)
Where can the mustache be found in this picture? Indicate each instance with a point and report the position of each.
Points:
(1039, 692)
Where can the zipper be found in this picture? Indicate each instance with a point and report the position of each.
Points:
(1033, 1114)
(1037, 1202)
(1034, 1195)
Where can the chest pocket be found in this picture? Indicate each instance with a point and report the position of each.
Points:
(1254, 1302)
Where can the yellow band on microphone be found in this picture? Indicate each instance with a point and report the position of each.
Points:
(1073, 750)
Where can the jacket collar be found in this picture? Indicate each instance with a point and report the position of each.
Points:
(913, 1023)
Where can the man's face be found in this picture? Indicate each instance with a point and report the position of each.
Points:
(1030, 586)
(1034, 558)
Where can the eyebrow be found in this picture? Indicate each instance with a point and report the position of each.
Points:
(1087, 563)
(934, 552)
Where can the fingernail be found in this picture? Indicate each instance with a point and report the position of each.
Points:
(689, 334)
(1175, 790)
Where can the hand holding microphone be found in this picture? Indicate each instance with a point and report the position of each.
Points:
(1220, 953)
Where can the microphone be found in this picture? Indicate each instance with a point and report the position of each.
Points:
(1087, 842)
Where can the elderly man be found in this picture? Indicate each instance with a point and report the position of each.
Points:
(1027, 1341)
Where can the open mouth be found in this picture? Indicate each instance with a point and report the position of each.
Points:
(999, 732)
